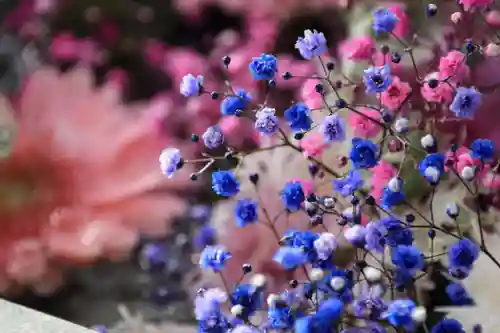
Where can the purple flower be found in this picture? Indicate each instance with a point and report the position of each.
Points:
(377, 79)
(396, 233)
(206, 236)
(458, 295)
(213, 137)
(364, 153)
(465, 102)
(384, 21)
(298, 117)
(214, 257)
(408, 258)
(325, 245)
(290, 257)
(264, 67)
(483, 149)
(313, 44)
(266, 122)
(355, 234)
(225, 183)
(348, 185)
(375, 236)
(245, 212)
(371, 306)
(333, 128)
(154, 256)
(191, 85)
(234, 105)
(99, 329)
(170, 160)
(208, 303)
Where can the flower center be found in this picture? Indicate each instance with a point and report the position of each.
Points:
(378, 79)
(466, 101)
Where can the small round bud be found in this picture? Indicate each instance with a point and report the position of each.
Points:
(193, 177)
(298, 136)
(431, 233)
(319, 88)
(316, 274)
(293, 283)
(287, 75)
(342, 160)
(419, 314)
(214, 95)
(431, 10)
(254, 178)
(195, 137)
(370, 201)
(432, 174)
(340, 103)
(246, 268)
(372, 274)
(330, 66)
(401, 125)
(258, 280)
(313, 169)
(385, 49)
(410, 218)
(237, 310)
(226, 60)
(428, 141)
(271, 83)
(467, 173)
(395, 184)
(329, 202)
(337, 283)
(433, 83)
(452, 210)
(396, 58)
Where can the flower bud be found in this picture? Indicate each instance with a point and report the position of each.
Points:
(467, 173)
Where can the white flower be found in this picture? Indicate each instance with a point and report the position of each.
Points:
(337, 283)
(325, 244)
(427, 141)
(395, 184)
(401, 125)
(432, 174)
(467, 173)
(372, 274)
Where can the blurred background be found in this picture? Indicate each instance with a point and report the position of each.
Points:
(90, 97)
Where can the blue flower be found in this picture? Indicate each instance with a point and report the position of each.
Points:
(465, 102)
(225, 183)
(245, 212)
(292, 196)
(333, 128)
(217, 323)
(214, 257)
(298, 117)
(463, 254)
(99, 329)
(374, 306)
(264, 67)
(458, 295)
(432, 167)
(266, 122)
(384, 21)
(248, 296)
(448, 325)
(375, 236)
(290, 257)
(191, 85)
(377, 79)
(322, 321)
(233, 105)
(330, 310)
(213, 137)
(280, 317)
(170, 161)
(313, 44)
(408, 258)
(205, 237)
(396, 233)
(348, 185)
(399, 313)
(483, 149)
(391, 198)
(364, 154)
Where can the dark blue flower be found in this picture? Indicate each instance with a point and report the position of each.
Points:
(463, 254)
(396, 233)
(280, 317)
(399, 313)
(290, 257)
(402, 278)
(384, 21)
(432, 167)
(225, 183)
(313, 44)
(330, 311)
(205, 237)
(448, 325)
(292, 196)
(214, 257)
(408, 258)
(458, 295)
(465, 102)
(245, 212)
(232, 105)
(390, 198)
(298, 117)
(264, 67)
(377, 79)
(364, 154)
(483, 149)
(348, 185)
(333, 128)
(248, 296)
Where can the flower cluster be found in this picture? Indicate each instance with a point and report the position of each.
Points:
(376, 216)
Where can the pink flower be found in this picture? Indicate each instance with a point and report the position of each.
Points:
(312, 144)
(453, 65)
(179, 61)
(395, 94)
(364, 126)
(403, 26)
(443, 93)
(296, 67)
(493, 18)
(72, 193)
(381, 174)
(307, 185)
(472, 5)
(358, 48)
(66, 47)
(239, 132)
(462, 158)
(310, 96)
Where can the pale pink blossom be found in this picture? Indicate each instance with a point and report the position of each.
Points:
(364, 126)
(66, 47)
(403, 26)
(396, 94)
(456, 17)
(443, 93)
(310, 96)
(472, 5)
(493, 18)
(238, 132)
(381, 174)
(179, 61)
(307, 185)
(358, 48)
(312, 144)
(453, 66)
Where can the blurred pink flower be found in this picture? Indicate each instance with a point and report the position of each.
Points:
(179, 61)
(358, 48)
(363, 126)
(298, 68)
(395, 94)
(471, 5)
(66, 47)
(238, 132)
(403, 26)
(310, 96)
(82, 180)
(443, 93)
(381, 174)
(453, 65)
(312, 144)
